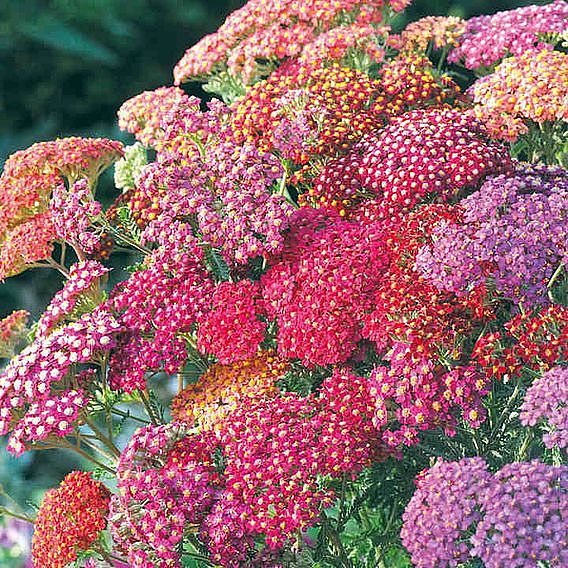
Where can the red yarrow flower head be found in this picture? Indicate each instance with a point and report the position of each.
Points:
(69, 520)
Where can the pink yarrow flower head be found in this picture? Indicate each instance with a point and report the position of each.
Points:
(271, 30)
(320, 288)
(34, 393)
(488, 39)
(525, 512)
(73, 213)
(156, 305)
(546, 401)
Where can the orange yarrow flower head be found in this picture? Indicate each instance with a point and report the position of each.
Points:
(222, 388)
(70, 519)
(524, 89)
(438, 31)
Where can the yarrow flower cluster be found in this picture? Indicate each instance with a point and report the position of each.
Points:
(82, 281)
(425, 396)
(27, 227)
(39, 372)
(156, 306)
(271, 30)
(439, 32)
(324, 255)
(166, 480)
(223, 388)
(69, 520)
(73, 212)
(488, 39)
(535, 339)
(435, 152)
(145, 114)
(346, 269)
(546, 401)
(518, 515)
(529, 88)
(12, 327)
(512, 231)
(408, 308)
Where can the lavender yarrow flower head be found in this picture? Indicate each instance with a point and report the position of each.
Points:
(513, 233)
(516, 517)
(442, 510)
(525, 517)
(547, 400)
(489, 38)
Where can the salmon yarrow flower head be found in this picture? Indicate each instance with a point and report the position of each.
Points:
(223, 387)
(70, 519)
(338, 43)
(439, 32)
(546, 401)
(12, 329)
(529, 88)
(26, 244)
(272, 30)
(488, 39)
(72, 157)
(30, 176)
(144, 114)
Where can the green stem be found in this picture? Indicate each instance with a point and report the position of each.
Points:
(102, 438)
(21, 516)
(119, 412)
(521, 455)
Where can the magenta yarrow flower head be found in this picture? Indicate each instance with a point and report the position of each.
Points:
(546, 401)
(166, 481)
(82, 282)
(157, 305)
